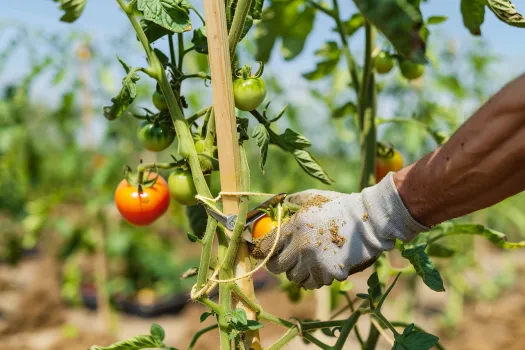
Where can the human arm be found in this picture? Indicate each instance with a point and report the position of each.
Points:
(482, 164)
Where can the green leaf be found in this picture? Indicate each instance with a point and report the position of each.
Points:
(256, 9)
(400, 22)
(192, 237)
(125, 97)
(310, 166)
(205, 315)
(353, 24)
(289, 20)
(440, 251)
(414, 340)
(152, 30)
(295, 36)
(424, 267)
(198, 218)
(253, 325)
(331, 54)
(362, 296)
(157, 332)
(348, 108)
(72, 8)
(436, 19)
(200, 40)
(473, 12)
(262, 137)
(166, 13)
(242, 128)
(506, 11)
(295, 140)
(135, 343)
(374, 287)
(240, 317)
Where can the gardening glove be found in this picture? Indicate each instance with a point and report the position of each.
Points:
(334, 235)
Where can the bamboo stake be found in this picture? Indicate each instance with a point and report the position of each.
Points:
(226, 129)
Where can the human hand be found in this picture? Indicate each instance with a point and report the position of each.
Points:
(334, 235)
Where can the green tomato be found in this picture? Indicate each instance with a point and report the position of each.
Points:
(248, 93)
(155, 137)
(411, 70)
(182, 188)
(383, 63)
(159, 101)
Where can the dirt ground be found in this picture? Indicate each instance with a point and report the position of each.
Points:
(33, 318)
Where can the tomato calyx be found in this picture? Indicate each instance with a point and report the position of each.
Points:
(246, 72)
(384, 151)
(138, 180)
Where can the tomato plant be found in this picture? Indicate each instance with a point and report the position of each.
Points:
(155, 136)
(145, 205)
(288, 23)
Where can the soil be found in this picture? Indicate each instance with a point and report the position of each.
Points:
(33, 318)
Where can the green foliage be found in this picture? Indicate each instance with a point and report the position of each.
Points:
(72, 9)
(289, 21)
(473, 12)
(167, 14)
(412, 339)
(330, 54)
(140, 341)
(400, 21)
(506, 11)
(127, 93)
(424, 266)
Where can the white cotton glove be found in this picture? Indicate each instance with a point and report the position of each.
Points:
(334, 235)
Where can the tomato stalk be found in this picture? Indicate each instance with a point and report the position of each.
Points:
(241, 11)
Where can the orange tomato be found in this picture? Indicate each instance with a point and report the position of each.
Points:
(262, 226)
(384, 164)
(142, 208)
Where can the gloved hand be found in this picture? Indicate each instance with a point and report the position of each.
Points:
(334, 235)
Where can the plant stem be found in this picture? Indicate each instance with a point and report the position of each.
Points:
(346, 49)
(383, 320)
(209, 141)
(347, 327)
(367, 111)
(252, 304)
(373, 337)
(285, 339)
(241, 11)
(198, 334)
(197, 115)
(172, 49)
(207, 243)
(180, 42)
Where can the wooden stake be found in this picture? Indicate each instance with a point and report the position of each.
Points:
(227, 140)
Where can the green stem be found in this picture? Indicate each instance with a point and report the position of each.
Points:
(209, 141)
(346, 49)
(347, 327)
(172, 49)
(186, 145)
(252, 304)
(285, 339)
(383, 320)
(367, 111)
(141, 168)
(180, 42)
(199, 333)
(197, 115)
(241, 11)
(214, 306)
(373, 338)
(200, 75)
(207, 243)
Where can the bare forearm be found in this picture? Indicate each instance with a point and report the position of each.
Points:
(482, 163)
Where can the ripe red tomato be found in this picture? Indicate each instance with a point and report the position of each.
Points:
(142, 208)
(386, 164)
(262, 226)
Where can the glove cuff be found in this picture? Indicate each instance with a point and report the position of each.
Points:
(387, 214)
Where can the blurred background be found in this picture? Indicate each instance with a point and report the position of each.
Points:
(64, 249)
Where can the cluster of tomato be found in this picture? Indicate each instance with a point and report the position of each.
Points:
(384, 62)
(142, 204)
